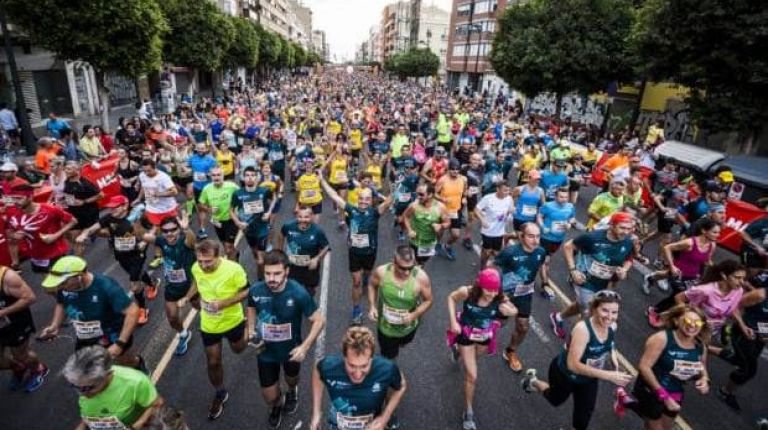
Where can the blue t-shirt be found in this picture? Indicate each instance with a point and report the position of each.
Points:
(104, 301)
(551, 181)
(519, 268)
(556, 219)
(216, 128)
(363, 229)
(201, 165)
(599, 257)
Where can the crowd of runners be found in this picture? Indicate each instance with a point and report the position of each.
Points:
(443, 170)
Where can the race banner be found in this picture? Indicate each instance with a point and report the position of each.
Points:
(103, 173)
(738, 215)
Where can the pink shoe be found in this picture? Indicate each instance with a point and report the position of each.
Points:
(653, 317)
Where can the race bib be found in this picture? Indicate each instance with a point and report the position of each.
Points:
(200, 176)
(670, 214)
(685, 370)
(276, 332)
(124, 244)
(104, 423)
(479, 334)
(425, 251)
(394, 316)
(254, 207)
(299, 260)
(599, 362)
(276, 156)
(762, 330)
(40, 262)
(405, 197)
(453, 215)
(359, 240)
(176, 276)
(529, 210)
(341, 176)
(87, 329)
(601, 271)
(69, 199)
(345, 422)
(524, 289)
(308, 194)
(209, 309)
(473, 191)
(125, 183)
(560, 226)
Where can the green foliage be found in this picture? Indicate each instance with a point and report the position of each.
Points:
(563, 45)
(287, 52)
(244, 50)
(416, 62)
(299, 55)
(125, 36)
(715, 47)
(200, 34)
(270, 47)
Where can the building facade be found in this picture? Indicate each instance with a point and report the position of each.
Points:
(395, 29)
(432, 32)
(320, 45)
(300, 29)
(273, 16)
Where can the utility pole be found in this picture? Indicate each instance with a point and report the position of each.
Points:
(26, 130)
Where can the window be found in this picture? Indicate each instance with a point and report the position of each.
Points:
(459, 50)
(486, 6)
(464, 10)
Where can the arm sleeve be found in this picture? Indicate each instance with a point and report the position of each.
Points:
(146, 393)
(120, 300)
(395, 378)
(584, 243)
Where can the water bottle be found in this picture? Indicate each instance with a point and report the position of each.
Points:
(136, 213)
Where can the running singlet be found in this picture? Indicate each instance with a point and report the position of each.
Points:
(551, 181)
(599, 258)
(177, 265)
(557, 219)
(376, 172)
(477, 321)
(121, 235)
(422, 221)
(451, 193)
(519, 269)
(96, 311)
(21, 319)
(596, 354)
(309, 189)
(123, 401)
(354, 406)
(756, 316)
(363, 229)
(279, 317)
(395, 302)
(676, 364)
(338, 174)
(527, 205)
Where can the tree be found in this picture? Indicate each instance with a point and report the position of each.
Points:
(270, 48)
(286, 53)
(244, 51)
(717, 48)
(561, 46)
(416, 62)
(125, 37)
(300, 55)
(200, 34)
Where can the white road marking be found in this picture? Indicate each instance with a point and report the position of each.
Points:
(168, 354)
(323, 306)
(110, 269)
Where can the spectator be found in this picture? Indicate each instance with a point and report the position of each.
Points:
(55, 125)
(46, 150)
(29, 173)
(9, 179)
(90, 144)
(106, 140)
(9, 123)
(69, 141)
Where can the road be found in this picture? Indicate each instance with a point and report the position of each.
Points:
(434, 399)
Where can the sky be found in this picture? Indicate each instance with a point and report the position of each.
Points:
(346, 22)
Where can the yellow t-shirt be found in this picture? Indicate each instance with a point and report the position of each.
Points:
(356, 139)
(334, 127)
(309, 189)
(528, 163)
(376, 173)
(226, 162)
(224, 283)
(338, 174)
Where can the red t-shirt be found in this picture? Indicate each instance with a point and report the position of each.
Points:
(48, 220)
(7, 186)
(5, 253)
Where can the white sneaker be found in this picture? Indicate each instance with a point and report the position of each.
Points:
(663, 285)
(469, 421)
(646, 284)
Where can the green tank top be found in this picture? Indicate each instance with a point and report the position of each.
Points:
(423, 219)
(394, 301)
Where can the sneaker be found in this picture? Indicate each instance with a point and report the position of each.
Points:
(467, 242)
(450, 253)
(143, 316)
(440, 250)
(291, 403)
(647, 284)
(150, 292)
(156, 262)
(729, 399)
(454, 354)
(658, 263)
(513, 360)
(663, 285)
(558, 325)
(622, 400)
(762, 424)
(357, 317)
(275, 417)
(201, 234)
(468, 423)
(393, 423)
(217, 406)
(527, 382)
(37, 378)
(183, 345)
(653, 317)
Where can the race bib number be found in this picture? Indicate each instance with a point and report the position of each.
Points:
(40, 262)
(69, 199)
(560, 226)
(479, 334)
(176, 276)
(200, 176)
(359, 240)
(529, 210)
(299, 260)
(425, 251)
(599, 362)
(87, 329)
(394, 316)
(341, 176)
(104, 423)
(762, 330)
(308, 194)
(209, 309)
(473, 191)
(276, 332)
(601, 271)
(524, 289)
(453, 215)
(124, 244)
(670, 214)
(254, 207)
(276, 156)
(345, 422)
(685, 370)
(405, 197)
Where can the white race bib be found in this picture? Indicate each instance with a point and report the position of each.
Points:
(560, 226)
(254, 207)
(529, 210)
(341, 176)
(210, 310)
(601, 271)
(308, 194)
(473, 191)
(200, 176)
(104, 423)
(276, 332)
(345, 422)
(524, 289)
(425, 251)
(124, 244)
(69, 199)
(406, 197)
(599, 362)
(762, 330)
(394, 316)
(359, 240)
(176, 276)
(685, 370)
(276, 156)
(479, 334)
(453, 215)
(87, 329)
(299, 260)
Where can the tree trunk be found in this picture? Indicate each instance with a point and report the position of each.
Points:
(103, 99)
(636, 113)
(558, 104)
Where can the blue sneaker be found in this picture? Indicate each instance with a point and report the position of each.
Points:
(183, 345)
(36, 379)
(450, 253)
(558, 325)
(357, 316)
(440, 250)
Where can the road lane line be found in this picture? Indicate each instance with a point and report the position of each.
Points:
(536, 327)
(323, 306)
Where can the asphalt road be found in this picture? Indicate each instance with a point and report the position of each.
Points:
(434, 399)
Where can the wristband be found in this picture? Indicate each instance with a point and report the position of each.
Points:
(121, 344)
(662, 394)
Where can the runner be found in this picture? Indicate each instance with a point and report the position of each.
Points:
(364, 389)
(250, 210)
(473, 330)
(475, 174)
(399, 294)
(98, 308)
(338, 176)
(222, 285)
(276, 308)
(274, 183)
(607, 203)
(528, 198)
(604, 257)
(16, 329)
(216, 198)
(494, 212)
(519, 264)
(424, 220)
(590, 356)
(81, 197)
(554, 178)
(451, 190)
(158, 191)
(555, 219)
(306, 244)
(309, 189)
(362, 239)
(201, 162)
(754, 246)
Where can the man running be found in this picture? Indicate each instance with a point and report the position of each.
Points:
(216, 198)
(159, 193)
(424, 220)
(81, 197)
(555, 219)
(251, 210)
(276, 307)
(201, 163)
(306, 244)
(451, 189)
(399, 294)
(494, 211)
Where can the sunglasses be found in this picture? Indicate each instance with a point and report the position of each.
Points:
(608, 294)
(421, 194)
(170, 230)
(83, 389)
(693, 322)
(406, 269)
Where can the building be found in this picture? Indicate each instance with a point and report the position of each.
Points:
(432, 32)
(273, 16)
(374, 44)
(320, 45)
(300, 29)
(395, 29)
(230, 7)
(250, 9)
(473, 23)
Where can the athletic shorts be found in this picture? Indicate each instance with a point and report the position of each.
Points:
(648, 405)
(494, 243)
(260, 243)
(197, 193)
(155, 218)
(400, 210)
(105, 341)
(85, 221)
(269, 372)
(227, 232)
(471, 204)
(390, 346)
(310, 279)
(359, 262)
(175, 294)
(464, 341)
(421, 260)
(133, 264)
(458, 222)
(550, 247)
(753, 261)
(14, 335)
(524, 304)
(664, 224)
(235, 334)
(182, 182)
(573, 185)
(316, 209)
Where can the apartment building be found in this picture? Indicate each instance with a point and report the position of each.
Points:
(395, 33)
(273, 16)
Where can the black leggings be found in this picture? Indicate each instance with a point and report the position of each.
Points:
(584, 395)
(746, 355)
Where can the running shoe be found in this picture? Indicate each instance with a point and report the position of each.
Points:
(622, 400)
(468, 423)
(143, 316)
(156, 262)
(393, 423)
(183, 345)
(37, 378)
(729, 399)
(150, 291)
(653, 317)
(513, 360)
(275, 417)
(663, 285)
(762, 424)
(527, 382)
(357, 316)
(291, 403)
(454, 354)
(450, 253)
(558, 325)
(647, 284)
(440, 249)
(467, 242)
(217, 406)
(658, 263)
(201, 234)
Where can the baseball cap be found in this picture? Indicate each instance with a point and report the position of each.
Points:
(726, 176)
(65, 268)
(489, 280)
(116, 201)
(9, 167)
(621, 217)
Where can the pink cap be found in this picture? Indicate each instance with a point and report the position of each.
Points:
(489, 280)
